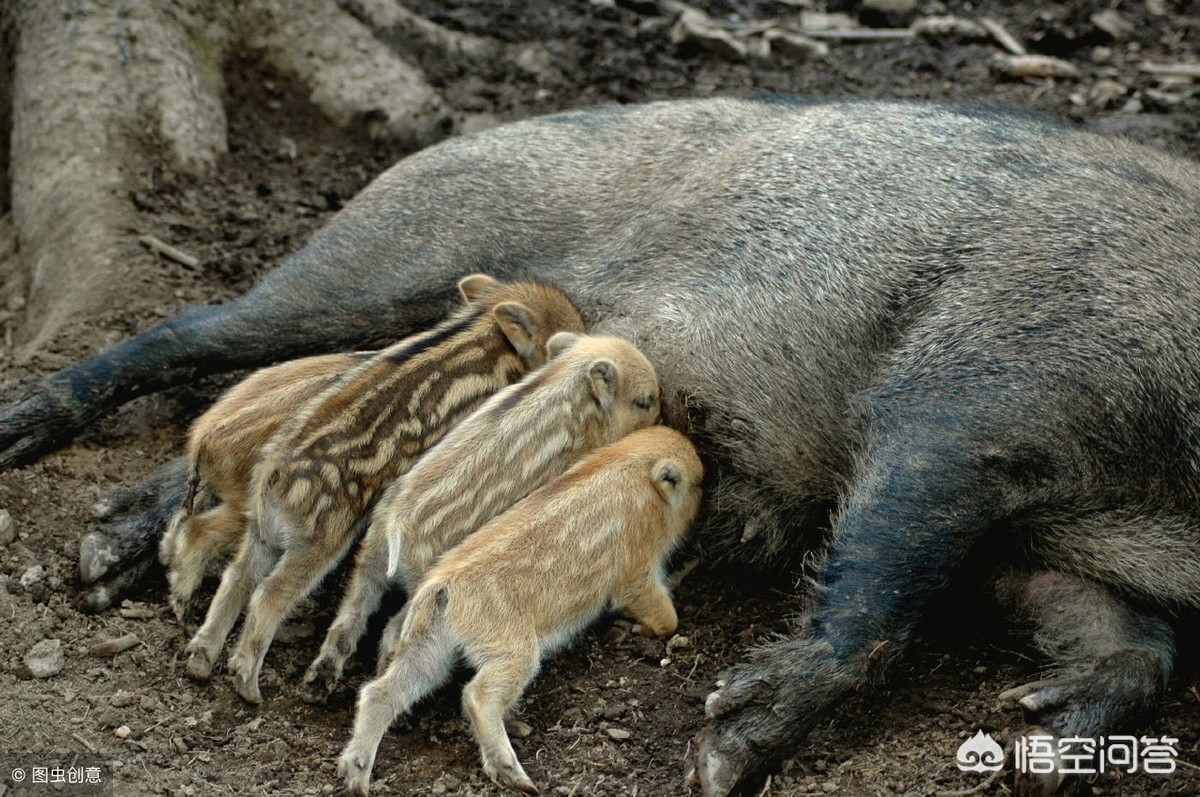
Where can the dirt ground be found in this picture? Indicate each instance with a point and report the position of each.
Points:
(614, 714)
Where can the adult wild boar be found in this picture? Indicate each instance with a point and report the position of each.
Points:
(952, 322)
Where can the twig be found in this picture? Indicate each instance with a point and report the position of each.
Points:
(1171, 70)
(111, 647)
(861, 34)
(164, 248)
(1001, 35)
(91, 747)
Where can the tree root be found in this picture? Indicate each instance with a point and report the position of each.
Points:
(93, 80)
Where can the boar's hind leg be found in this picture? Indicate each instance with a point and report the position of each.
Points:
(321, 299)
(918, 503)
(1111, 662)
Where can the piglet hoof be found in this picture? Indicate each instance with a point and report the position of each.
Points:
(182, 607)
(246, 686)
(511, 776)
(200, 663)
(355, 771)
(319, 682)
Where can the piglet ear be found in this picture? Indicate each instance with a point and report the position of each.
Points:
(668, 478)
(476, 286)
(519, 325)
(602, 377)
(560, 342)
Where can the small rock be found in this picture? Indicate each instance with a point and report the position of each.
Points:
(620, 734)
(1112, 23)
(518, 729)
(678, 641)
(1105, 92)
(8, 530)
(122, 699)
(696, 26)
(32, 575)
(124, 732)
(45, 659)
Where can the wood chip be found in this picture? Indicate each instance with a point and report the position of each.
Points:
(1038, 66)
(695, 26)
(164, 248)
(111, 647)
(1171, 70)
(1002, 36)
(861, 34)
(937, 27)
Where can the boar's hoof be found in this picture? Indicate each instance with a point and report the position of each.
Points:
(35, 418)
(723, 765)
(96, 557)
(1040, 784)
(96, 599)
(1117, 692)
(741, 687)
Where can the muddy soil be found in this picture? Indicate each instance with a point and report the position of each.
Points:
(614, 714)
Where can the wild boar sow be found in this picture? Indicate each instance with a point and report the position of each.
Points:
(945, 322)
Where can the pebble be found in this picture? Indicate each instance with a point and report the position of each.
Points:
(32, 575)
(122, 699)
(124, 732)
(518, 729)
(619, 734)
(46, 658)
(678, 641)
(8, 530)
